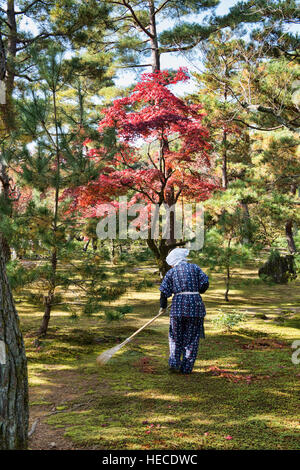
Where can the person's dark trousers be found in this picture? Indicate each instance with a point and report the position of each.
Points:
(184, 335)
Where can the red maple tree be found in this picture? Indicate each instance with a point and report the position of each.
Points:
(161, 152)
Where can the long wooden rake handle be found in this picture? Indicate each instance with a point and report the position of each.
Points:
(144, 326)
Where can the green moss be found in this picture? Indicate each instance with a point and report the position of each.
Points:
(40, 403)
(134, 403)
(72, 418)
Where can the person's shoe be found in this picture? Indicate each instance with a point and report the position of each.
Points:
(172, 370)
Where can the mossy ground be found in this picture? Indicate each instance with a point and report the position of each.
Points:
(243, 393)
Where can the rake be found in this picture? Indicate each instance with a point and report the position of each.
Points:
(107, 355)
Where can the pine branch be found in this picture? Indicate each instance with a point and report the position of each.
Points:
(258, 128)
(161, 7)
(264, 109)
(23, 12)
(135, 18)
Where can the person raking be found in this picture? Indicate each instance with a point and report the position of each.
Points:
(186, 281)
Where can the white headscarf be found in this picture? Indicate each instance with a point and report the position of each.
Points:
(177, 255)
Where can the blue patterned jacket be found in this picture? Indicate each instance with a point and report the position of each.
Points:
(185, 277)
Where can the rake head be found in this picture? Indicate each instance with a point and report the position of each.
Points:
(107, 355)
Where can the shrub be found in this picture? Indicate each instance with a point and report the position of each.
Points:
(144, 283)
(37, 299)
(228, 321)
(117, 313)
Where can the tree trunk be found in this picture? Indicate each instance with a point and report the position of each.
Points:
(224, 161)
(155, 56)
(50, 297)
(46, 318)
(7, 111)
(224, 142)
(5, 249)
(54, 257)
(290, 237)
(227, 284)
(13, 372)
(160, 251)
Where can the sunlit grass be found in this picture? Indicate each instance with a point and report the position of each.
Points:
(134, 403)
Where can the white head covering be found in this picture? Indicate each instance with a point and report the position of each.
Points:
(177, 255)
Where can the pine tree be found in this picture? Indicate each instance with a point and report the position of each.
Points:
(231, 140)
(134, 33)
(65, 24)
(271, 61)
(57, 161)
(259, 170)
(276, 179)
(268, 21)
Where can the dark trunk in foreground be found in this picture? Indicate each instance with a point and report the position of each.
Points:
(13, 372)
